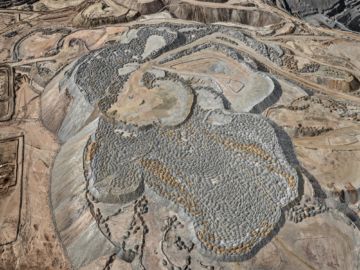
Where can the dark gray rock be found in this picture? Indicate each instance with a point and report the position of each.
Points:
(342, 14)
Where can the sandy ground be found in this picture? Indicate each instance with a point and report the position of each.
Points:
(329, 159)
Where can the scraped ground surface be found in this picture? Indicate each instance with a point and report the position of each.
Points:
(179, 134)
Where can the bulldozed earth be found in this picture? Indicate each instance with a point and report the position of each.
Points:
(179, 134)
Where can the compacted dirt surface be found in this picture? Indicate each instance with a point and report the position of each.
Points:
(179, 134)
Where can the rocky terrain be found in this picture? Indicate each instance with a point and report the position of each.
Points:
(341, 14)
(179, 134)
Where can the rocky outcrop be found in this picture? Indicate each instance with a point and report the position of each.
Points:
(351, 16)
(309, 7)
(142, 6)
(209, 14)
(344, 14)
(149, 6)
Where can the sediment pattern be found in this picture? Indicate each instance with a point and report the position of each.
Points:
(232, 184)
(181, 130)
